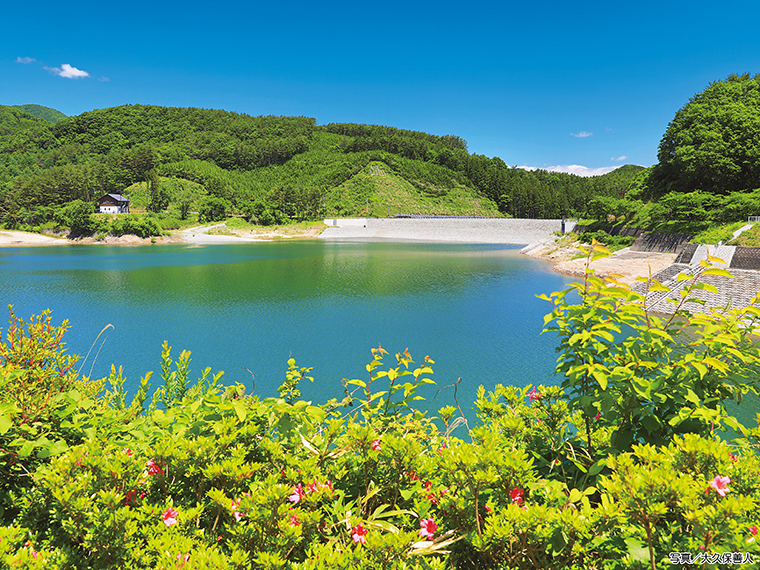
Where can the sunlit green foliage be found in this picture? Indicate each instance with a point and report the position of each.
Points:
(44, 113)
(713, 143)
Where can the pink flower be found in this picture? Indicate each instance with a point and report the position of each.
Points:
(297, 495)
(128, 452)
(598, 415)
(180, 559)
(234, 508)
(753, 529)
(733, 457)
(720, 484)
(170, 517)
(153, 468)
(358, 533)
(376, 445)
(533, 395)
(294, 521)
(428, 528)
(516, 495)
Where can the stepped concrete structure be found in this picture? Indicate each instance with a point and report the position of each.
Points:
(737, 292)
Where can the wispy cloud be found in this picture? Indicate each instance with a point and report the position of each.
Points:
(576, 169)
(101, 78)
(619, 158)
(25, 60)
(68, 71)
(581, 135)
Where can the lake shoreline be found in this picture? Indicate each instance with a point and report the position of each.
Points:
(201, 235)
(563, 253)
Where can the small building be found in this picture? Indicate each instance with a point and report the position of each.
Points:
(113, 204)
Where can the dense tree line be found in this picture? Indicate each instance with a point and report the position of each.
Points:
(708, 166)
(713, 143)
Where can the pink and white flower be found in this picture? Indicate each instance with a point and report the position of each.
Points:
(428, 528)
(358, 533)
(170, 517)
(720, 484)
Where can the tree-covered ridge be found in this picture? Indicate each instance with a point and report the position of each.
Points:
(288, 166)
(713, 143)
(708, 169)
(44, 113)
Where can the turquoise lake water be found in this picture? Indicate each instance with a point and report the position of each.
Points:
(472, 308)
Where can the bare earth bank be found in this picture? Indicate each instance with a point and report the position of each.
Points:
(626, 264)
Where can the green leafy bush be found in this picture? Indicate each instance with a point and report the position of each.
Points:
(135, 224)
(212, 209)
(612, 242)
(78, 217)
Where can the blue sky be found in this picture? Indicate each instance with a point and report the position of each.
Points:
(575, 86)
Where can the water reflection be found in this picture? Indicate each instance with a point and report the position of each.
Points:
(471, 308)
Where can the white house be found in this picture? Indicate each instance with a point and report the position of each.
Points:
(113, 204)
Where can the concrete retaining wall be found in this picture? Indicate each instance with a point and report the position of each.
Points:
(463, 230)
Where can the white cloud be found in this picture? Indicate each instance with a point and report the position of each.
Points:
(576, 169)
(101, 78)
(581, 135)
(68, 71)
(619, 158)
(25, 60)
(579, 170)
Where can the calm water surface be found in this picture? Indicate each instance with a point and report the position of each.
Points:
(472, 308)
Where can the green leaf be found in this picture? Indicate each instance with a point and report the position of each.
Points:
(27, 448)
(595, 469)
(636, 550)
(407, 493)
(5, 423)
(715, 363)
(691, 396)
(655, 285)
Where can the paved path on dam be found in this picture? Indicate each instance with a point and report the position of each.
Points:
(453, 230)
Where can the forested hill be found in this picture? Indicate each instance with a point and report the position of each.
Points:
(44, 113)
(289, 163)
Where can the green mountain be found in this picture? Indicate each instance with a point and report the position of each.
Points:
(290, 164)
(44, 113)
